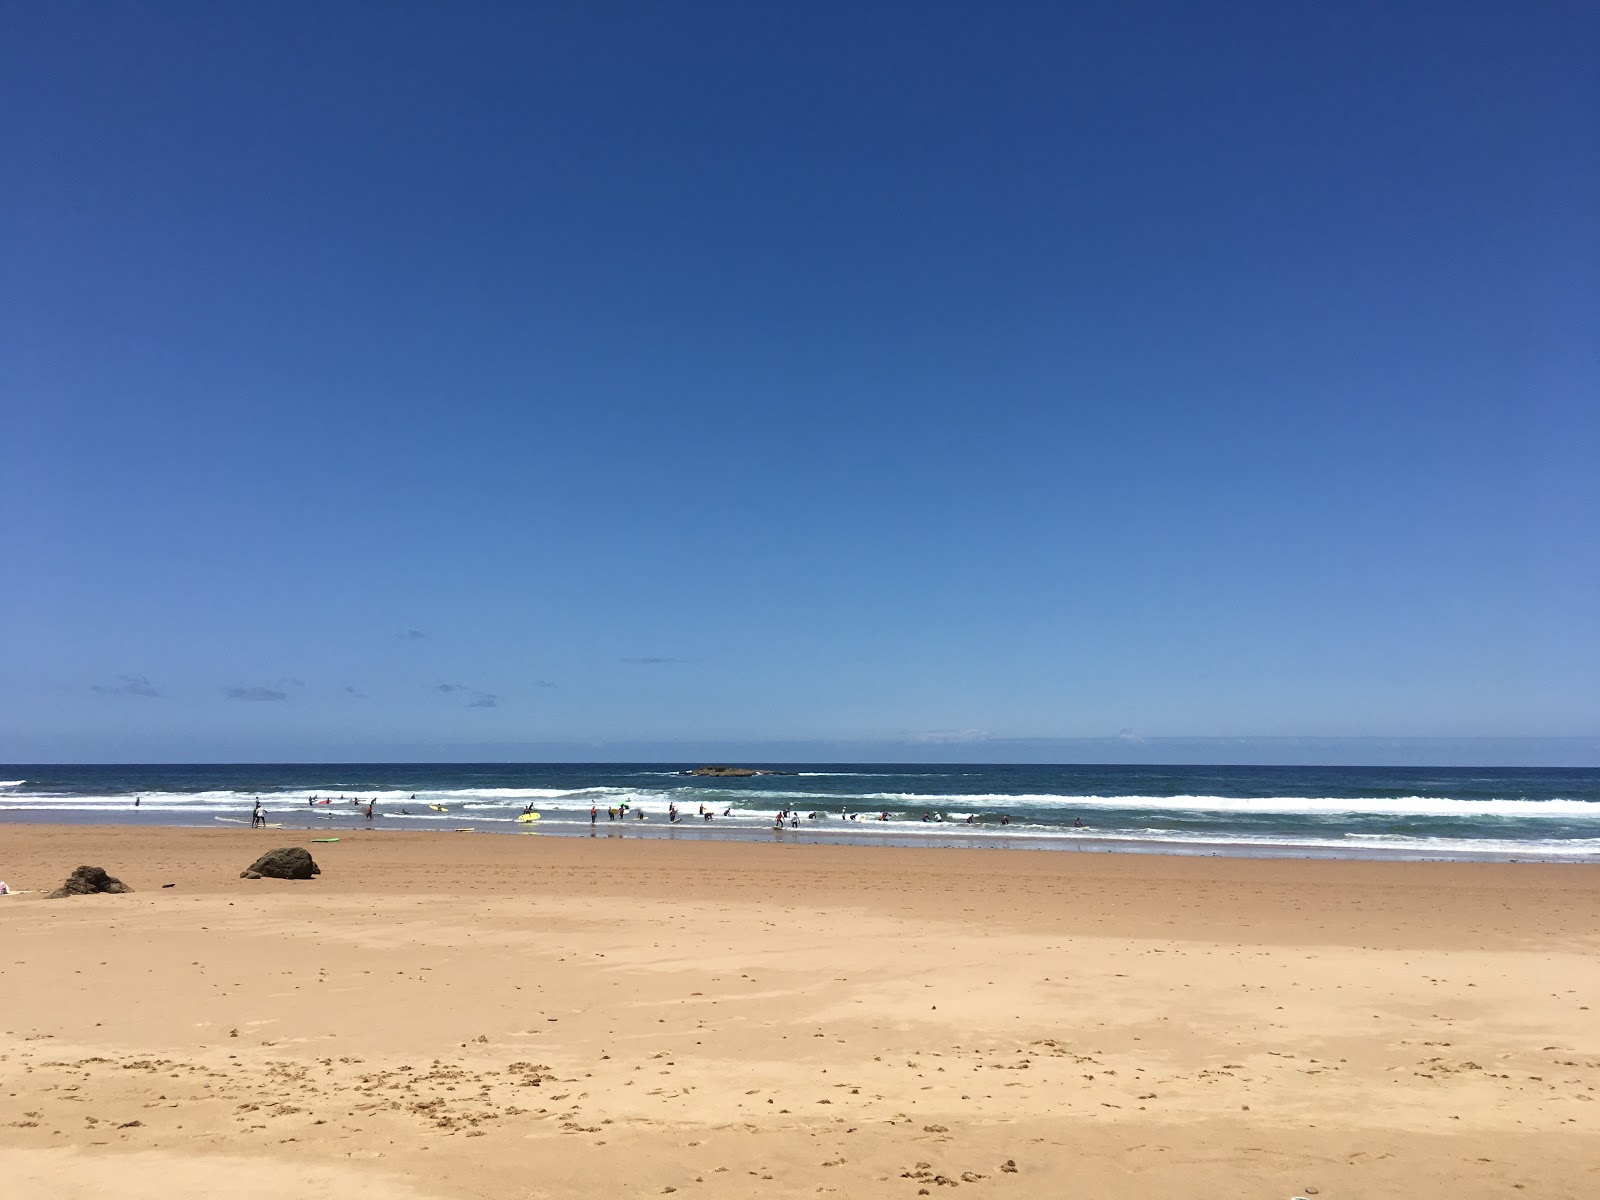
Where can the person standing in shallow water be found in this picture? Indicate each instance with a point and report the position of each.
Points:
(594, 814)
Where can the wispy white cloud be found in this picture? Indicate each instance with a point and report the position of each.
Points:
(255, 693)
(127, 685)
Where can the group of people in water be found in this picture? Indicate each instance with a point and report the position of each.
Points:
(785, 818)
(620, 813)
(791, 818)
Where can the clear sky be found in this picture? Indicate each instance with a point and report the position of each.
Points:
(554, 380)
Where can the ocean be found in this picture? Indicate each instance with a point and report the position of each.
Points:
(1324, 812)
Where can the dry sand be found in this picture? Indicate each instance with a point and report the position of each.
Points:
(474, 1016)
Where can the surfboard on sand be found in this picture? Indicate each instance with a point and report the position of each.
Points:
(324, 839)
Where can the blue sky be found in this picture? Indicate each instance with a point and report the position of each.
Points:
(399, 380)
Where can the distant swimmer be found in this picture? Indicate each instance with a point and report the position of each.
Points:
(136, 802)
(728, 812)
(640, 814)
(672, 812)
(1077, 822)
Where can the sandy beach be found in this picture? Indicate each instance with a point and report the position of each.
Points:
(446, 1015)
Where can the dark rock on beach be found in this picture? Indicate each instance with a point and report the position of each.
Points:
(286, 862)
(87, 881)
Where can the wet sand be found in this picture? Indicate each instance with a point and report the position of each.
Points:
(445, 1015)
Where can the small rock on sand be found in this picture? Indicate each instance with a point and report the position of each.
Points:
(286, 862)
(87, 881)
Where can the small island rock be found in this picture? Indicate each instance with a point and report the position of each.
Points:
(731, 772)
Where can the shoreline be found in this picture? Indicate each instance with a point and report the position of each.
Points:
(947, 835)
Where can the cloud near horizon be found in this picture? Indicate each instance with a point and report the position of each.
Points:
(484, 700)
(447, 688)
(255, 693)
(129, 685)
(945, 737)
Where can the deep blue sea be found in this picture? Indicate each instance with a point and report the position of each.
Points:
(1362, 812)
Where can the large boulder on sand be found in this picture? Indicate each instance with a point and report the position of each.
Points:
(86, 881)
(286, 862)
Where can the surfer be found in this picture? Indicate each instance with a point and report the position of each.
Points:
(594, 814)
(136, 802)
(258, 816)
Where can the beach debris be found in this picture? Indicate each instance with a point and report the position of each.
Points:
(87, 881)
(1009, 1167)
(286, 862)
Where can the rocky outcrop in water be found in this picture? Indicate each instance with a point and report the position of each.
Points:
(87, 881)
(731, 772)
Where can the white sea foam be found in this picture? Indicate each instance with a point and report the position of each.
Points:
(1406, 806)
(579, 799)
(12, 782)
